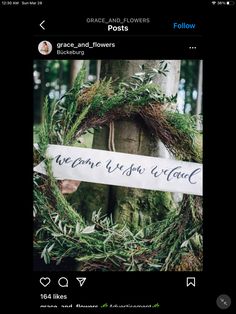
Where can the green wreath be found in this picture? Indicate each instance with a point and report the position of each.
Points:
(174, 243)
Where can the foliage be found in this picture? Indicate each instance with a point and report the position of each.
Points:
(177, 131)
(51, 78)
(139, 91)
(108, 246)
(189, 80)
(174, 243)
(185, 125)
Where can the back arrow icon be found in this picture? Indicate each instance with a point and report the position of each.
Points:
(41, 24)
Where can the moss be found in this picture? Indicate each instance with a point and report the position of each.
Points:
(157, 204)
(89, 198)
(141, 209)
(198, 145)
(124, 202)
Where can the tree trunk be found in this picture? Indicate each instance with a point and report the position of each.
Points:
(199, 93)
(88, 197)
(92, 197)
(75, 67)
(39, 93)
(136, 206)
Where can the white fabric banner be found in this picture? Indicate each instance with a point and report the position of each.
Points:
(136, 171)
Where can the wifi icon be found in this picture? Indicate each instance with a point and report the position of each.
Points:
(213, 2)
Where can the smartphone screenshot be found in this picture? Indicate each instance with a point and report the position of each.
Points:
(125, 189)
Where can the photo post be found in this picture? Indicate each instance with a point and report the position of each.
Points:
(122, 165)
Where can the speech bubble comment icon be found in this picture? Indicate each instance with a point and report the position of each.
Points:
(63, 282)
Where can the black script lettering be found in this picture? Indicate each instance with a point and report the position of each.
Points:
(80, 161)
(62, 160)
(172, 174)
(131, 169)
(179, 175)
(193, 174)
(156, 173)
(112, 168)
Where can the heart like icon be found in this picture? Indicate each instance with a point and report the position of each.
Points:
(45, 281)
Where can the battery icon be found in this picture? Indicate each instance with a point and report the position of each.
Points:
(230, 3)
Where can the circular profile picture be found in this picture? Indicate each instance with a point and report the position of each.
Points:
(45, 47)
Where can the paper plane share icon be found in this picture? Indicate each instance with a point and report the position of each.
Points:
(81, 280)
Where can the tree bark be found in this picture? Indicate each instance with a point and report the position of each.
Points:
(135, 206)
(92, 197)
(75, 67)
(199, 94)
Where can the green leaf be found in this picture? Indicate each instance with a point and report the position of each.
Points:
(77, 229)
(89, 229)
(50, 248)
(60, 225)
